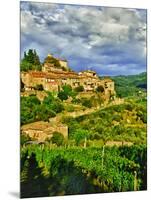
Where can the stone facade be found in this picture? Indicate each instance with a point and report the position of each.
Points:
(41, 131)
(48, 66)
(53, 79)
(63, 64)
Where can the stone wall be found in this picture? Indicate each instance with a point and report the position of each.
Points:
(63, 64)
(41, 131)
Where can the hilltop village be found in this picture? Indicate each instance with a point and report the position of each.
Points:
(54, 74)
(52, 78)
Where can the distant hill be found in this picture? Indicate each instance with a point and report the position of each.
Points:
(130, 85)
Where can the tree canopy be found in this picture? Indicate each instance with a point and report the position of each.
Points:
(30, 61)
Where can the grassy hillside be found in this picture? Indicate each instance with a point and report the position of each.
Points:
(130, 85)
(125, 122)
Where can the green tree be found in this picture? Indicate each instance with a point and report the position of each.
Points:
(29, 106)
(30, 61)
(48, 99)
(44, 112)
(62, 95)
(25, 65)
(53, 103)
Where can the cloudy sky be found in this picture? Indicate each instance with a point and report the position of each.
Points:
(111, 41)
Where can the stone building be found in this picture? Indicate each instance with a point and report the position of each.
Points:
(53, 78)
(63, 63)
(41, 130)
(49, 64)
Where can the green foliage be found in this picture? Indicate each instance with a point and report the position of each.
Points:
(79, 170)
(25, 65)
(53, 103)
(70, 108)
(80, 135)
(44, 112)
(79, 88)
(66, 92)
(126, 122)
(67, 89)
(86, 102)
(24, 138)
(33, 110)
(130, 85)
(142, 116)
(76, 100)
(57, 138)
(33, 182)
(29, 106)
(30, 61)
(62, 95)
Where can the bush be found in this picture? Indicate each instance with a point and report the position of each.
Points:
(70, 108)
(76, 101)
(49, 99)
(67, 89)
(44, 112)
(57, 106)
(62, 95)
(129, 107)
(87, 103)
(116, 118)
(79, 89)
(57, 138)
(143, 116)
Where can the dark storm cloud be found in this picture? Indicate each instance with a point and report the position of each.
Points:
(109, 40)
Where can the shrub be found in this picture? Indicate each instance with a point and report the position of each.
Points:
(116, 118)
(129, 107)
(76, 101)
(79, 89)
(57, 138)
(70, 108)
(67, 89)
(87, 103)
(62, 95)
